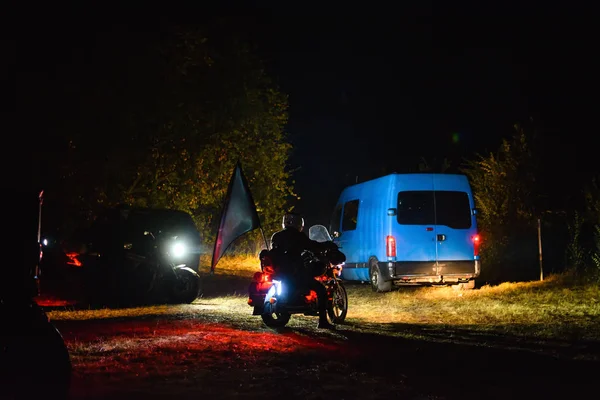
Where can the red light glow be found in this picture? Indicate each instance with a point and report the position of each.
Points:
(73, 260)
(51, 301)
(191, 338)
(312, 296)
(476, 243)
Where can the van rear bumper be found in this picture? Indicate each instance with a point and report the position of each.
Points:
(430, 272)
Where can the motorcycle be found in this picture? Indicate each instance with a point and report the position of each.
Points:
(178, 282)
(151, 272)
(275, 300)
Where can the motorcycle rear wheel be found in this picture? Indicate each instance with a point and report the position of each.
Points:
(338, 309)
(275, 320)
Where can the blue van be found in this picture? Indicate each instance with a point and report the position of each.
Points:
(417, 229)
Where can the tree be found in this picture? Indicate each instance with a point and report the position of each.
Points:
(199, 104)
(504, 186)
(592, 201)
(590, 228)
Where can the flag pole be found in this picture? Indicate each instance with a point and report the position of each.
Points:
(263, 235)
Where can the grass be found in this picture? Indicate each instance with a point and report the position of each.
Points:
(215, 347)
(244, 265)
(556, 308)
(551, 309)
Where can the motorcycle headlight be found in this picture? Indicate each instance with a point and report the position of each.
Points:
(178, 250)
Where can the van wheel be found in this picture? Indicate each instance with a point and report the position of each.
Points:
(377, 284)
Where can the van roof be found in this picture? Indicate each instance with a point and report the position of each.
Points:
(407, 175)
(406, 181)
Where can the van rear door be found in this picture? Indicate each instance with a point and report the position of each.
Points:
(455, 225)
(415, 229)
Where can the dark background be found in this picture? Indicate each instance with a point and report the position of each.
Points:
(371, 90)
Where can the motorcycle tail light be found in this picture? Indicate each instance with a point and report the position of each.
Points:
(312, 296)
(258, 276)
(268, 269)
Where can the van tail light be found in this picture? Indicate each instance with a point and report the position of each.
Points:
(476, 243)
(390, 246)
(73, 259)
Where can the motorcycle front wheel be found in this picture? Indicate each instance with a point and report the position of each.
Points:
(275, 319)
(187, 287)
(338, 309)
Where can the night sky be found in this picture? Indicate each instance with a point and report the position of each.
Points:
(371, 91)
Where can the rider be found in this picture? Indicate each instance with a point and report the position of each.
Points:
(292, 242)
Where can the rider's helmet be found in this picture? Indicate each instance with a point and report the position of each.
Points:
(292, 220)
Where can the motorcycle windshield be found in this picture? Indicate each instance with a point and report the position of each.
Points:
(319, 233)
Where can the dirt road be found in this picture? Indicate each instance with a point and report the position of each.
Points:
(204, 352)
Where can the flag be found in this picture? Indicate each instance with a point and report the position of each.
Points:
(238, 217)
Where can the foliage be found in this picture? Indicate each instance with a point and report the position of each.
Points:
(504, 186)
(594, 269)
(196, 105)
(241, 118)
(592, 199)
(576, 254)
(592, 202)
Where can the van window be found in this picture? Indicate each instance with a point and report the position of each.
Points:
(350, 216)
(415, 208)
(334, 225)
(451, 208)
